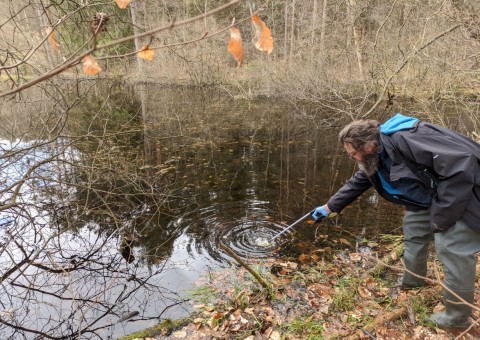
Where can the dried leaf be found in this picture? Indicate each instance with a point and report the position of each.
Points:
(263, 40)
(90, 65)
(216, 315)
(275, 335)
(267, 332)
(236, 328)
(304, 258)
(364, 292)
(210, 323)
(355, 257)
(123, 3)
(321, 289)
(180, 334)
(249, 311)
(147, 53)
(52, 40)
(235, 46)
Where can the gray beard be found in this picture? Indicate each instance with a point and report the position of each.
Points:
(370, 165)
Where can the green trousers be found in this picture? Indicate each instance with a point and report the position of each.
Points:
(456, 248)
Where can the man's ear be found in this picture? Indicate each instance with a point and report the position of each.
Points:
(370, 147)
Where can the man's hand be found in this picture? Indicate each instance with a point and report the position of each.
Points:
(318, 214)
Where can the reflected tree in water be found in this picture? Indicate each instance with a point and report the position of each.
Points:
(85, 226)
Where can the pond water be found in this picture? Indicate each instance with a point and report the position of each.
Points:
(236, 171)
(244, 170)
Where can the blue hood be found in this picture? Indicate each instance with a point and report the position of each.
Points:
(397, 123)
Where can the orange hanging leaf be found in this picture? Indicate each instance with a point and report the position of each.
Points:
(52, 40)
(235, 46)
(263, 40)
(123, 3)
(90, 65)
(147, 53)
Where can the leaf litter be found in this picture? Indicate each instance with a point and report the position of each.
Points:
(324, 294)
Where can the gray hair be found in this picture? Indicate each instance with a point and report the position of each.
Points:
(359, 133)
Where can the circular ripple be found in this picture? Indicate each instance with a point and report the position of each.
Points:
(252, 239)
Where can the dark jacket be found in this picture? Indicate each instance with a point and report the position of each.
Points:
(451, 159)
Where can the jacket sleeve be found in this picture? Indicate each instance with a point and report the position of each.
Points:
(451, 161)
(355, 186)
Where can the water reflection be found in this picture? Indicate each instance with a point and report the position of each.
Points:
(250, 168)
(115, 235)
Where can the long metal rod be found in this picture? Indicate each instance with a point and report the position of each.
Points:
(291, 226)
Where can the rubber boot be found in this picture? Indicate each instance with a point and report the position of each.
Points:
(410, 281)
(456, 313)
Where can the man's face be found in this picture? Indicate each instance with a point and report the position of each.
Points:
(367, 158)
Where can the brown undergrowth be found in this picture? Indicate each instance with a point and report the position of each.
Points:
(352, 295)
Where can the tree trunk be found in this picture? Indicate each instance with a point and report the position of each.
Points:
(292, 30)
(358, 40)
(285, 33)
(44, 22)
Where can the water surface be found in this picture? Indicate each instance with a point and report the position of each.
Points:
(225, 170)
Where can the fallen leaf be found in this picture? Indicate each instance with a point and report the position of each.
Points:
(211, 323)
(364, 292)
(355, 257)
(275, 335)
(179, 334)
(268, 332)
(249, 311)
(236, 328)
(216, 315)
(304, 258)
(321, 289)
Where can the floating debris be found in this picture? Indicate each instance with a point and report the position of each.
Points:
(263, 242)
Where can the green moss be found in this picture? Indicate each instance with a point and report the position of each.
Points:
(165, 327)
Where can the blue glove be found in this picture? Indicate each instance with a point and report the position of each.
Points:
(318, 214)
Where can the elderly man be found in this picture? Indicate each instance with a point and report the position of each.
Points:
(435, 173)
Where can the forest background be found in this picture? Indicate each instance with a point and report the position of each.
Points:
(343, 55)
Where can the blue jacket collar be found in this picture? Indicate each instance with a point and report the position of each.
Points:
(397, 123)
